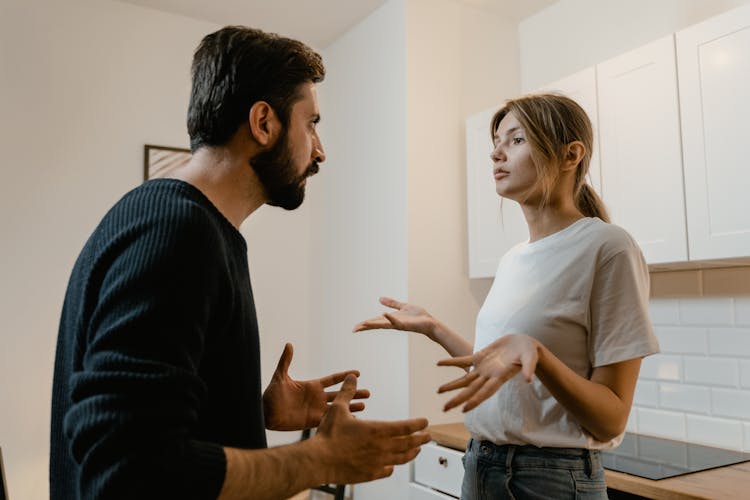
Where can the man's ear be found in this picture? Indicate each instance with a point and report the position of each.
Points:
(264, 123)
(574, 154)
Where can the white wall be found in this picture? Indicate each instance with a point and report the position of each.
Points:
(83, 85)
(359, 231)
(459, 60)
(573, 34)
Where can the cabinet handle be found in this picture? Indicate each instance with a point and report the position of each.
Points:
(443, 461)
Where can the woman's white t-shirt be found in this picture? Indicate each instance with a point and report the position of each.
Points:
(583, 293)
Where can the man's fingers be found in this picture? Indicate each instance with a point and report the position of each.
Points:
(405, 457)
(360, 394)
(458, 383)
(398, 427)
(401, 444)
(392, 303)
(347, 391)
(355, 407)
(285, 360)
(337, 378)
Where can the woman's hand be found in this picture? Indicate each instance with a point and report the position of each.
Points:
(492, 367)
(407, 317)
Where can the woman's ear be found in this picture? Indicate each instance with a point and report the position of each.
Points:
(264, 124)
(573, 155)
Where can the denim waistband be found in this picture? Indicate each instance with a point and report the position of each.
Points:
(529, 455)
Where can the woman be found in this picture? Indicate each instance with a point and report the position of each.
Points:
(568, 310)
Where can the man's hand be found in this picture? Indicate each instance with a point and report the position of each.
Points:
(291, 405)
(354, 451)
(493, 366)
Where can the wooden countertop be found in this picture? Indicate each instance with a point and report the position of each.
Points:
(731, 482)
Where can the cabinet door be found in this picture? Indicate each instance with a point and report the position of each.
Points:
(419, 492)
(641, 158)
(439, 468)
(714, 71)
(494, 227)
(581, 87)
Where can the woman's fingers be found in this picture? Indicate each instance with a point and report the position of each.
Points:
(378, 323)
(458, 383)
(392, 303)
(466, 394)
(487, 390)
(461, 361)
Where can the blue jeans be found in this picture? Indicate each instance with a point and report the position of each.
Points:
(526, 472)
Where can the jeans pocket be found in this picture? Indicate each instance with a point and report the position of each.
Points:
(590, 487)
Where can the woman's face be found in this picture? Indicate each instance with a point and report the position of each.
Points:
(515, 175)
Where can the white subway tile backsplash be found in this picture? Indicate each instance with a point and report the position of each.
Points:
(689, 398)
(742, 310)
(646, 394)
(731, 403)
(664, 311)
(669, 424)
(707, 311)
(662, 367)
(632, 425)
(714, 431)
(712, 371)
(698, 388)
(682, 339)
(729, 341)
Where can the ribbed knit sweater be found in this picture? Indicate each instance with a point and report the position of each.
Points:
(158, 357)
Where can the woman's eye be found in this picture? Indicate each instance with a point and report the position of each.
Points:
(517, 140)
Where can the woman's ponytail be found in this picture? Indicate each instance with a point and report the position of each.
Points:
(589, 203)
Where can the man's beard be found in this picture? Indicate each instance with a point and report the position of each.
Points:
(276, 172)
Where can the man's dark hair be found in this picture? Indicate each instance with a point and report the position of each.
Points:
(235, 67)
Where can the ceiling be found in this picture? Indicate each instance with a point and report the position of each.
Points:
(317, 22)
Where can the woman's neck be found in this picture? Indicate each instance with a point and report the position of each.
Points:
(549, 219)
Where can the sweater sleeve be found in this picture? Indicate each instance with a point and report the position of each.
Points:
(137, 393)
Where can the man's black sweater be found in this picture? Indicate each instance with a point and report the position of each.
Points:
(158, 356)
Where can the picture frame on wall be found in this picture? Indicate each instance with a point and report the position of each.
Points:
(159, 161)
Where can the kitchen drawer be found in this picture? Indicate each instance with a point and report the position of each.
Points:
(439, 468)
(419, 492)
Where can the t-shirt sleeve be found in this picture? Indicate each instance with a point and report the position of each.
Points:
(620, 324)
(136, 398)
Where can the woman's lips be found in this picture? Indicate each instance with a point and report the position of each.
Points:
(500, 173)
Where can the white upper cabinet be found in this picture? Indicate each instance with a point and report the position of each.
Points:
(640, 151)
(581, 87)
(672, 164)
(714, 82)
(494, 227)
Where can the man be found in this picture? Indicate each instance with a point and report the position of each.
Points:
(157, 374)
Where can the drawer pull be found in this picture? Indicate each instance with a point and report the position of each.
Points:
(443, 461)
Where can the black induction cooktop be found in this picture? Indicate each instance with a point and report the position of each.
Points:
(658, 458)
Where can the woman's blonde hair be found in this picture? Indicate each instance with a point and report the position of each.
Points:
(552, 122)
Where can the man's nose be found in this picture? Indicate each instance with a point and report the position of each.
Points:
(319, 155)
